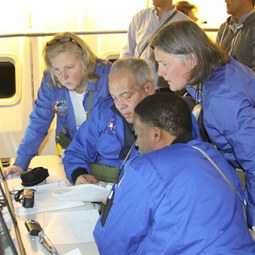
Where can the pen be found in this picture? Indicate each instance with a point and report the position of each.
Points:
(45, 241)
(110, 195)
(108, 205)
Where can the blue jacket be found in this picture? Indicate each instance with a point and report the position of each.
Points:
(51, 101)
(173, 201)
(104, 139)
(101, 139)
(229, 118)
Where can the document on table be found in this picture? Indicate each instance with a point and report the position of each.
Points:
(74, 252)
(44, 202)
(83, 192)
(70, 227)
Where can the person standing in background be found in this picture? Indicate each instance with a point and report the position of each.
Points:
(237, 34)
(142, 28)
(187, 8)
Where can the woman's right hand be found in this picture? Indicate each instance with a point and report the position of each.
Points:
(14, 169)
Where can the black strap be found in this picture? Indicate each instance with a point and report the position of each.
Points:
(146, 45)
(126, 158)
(89, 104)
(17, 197)
(224, 176)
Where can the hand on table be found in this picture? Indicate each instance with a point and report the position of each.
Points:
(86, 179)
(14, 169)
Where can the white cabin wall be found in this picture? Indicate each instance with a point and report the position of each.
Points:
(15, 118)
(117, 17)
(214, 13)
(29, 16)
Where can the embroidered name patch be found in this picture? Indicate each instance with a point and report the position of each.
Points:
(60, 106)
(111, 127)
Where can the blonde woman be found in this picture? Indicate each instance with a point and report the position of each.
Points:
(73, 75)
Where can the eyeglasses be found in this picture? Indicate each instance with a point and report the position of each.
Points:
(62, 40)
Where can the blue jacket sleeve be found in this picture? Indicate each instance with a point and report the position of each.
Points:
(83, 150)
(40, 120)
(234, 118)
(129, 218)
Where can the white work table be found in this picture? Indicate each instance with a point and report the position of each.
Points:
(32, 246)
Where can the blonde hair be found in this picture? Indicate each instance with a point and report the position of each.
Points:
(79, 48)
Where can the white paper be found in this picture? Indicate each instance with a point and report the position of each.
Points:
(71, 227)
(44, 202)
(74, 252)
(83, 192)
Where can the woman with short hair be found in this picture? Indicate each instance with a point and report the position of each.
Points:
(223, 87)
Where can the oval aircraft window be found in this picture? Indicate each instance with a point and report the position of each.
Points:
(10, 79)
(7, 80)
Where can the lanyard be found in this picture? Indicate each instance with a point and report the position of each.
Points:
(110, 198)
(225, 178)
(146, 45)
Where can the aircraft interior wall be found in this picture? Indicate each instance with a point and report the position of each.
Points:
(25, 28)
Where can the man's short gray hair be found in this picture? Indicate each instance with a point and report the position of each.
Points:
(139, 68)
